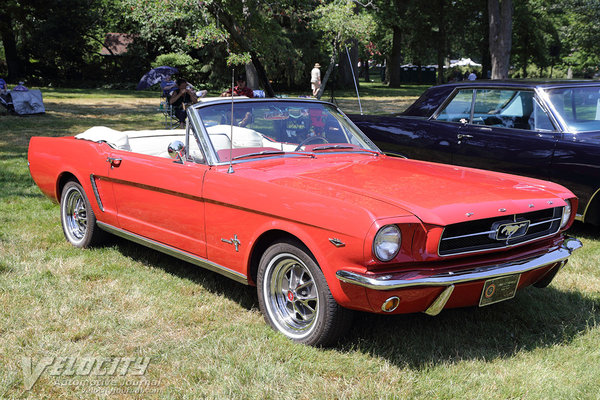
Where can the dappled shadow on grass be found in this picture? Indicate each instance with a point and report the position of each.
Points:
(102, 108)
(244, 295)
(535, 318)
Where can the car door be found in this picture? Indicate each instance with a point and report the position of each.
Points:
(160, 198)
(509, 131)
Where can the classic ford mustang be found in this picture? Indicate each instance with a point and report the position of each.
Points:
(546, 130)
(290, 196)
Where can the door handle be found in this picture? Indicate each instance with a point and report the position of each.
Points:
(114, 162)
(463, 136)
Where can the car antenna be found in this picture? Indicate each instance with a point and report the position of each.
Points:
(230, 169)
(354, 77)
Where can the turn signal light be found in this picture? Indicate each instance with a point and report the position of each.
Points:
(390, 304)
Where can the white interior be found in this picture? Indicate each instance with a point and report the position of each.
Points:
(151, 142)
(155, 142)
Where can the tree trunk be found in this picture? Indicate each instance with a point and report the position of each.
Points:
(441, 44)
(10, 48)
(348, 65)
(484, 46)
(329, 69)
(500, 17)
(366, 72)
(238, 35)
(395, 58)
(251, 76)
(262, 75)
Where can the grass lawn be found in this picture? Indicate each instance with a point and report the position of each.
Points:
(204, 334)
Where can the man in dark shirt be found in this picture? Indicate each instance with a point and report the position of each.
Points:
(241, 89)
(180, 98)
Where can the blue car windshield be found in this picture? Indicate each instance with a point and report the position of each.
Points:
(579, 107)
(271, 128)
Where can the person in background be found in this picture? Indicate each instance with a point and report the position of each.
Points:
(240, 89)
(3, 87)
(472, 76)
(180, 99)
(315, 79)
(167, 85)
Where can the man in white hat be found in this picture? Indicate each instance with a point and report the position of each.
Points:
(315, 79)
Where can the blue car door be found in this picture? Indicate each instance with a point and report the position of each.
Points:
(509, 131)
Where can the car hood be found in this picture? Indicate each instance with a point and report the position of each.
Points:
(435, 193)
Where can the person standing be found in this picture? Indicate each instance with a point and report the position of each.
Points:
(315, 79)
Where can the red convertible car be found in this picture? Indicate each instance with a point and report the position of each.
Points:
(290, 196)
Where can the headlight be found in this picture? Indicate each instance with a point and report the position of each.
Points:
(566, 215)
(387, 242)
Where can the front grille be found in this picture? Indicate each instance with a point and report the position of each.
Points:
(479, 235)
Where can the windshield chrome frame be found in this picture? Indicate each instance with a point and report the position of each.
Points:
(210, 153)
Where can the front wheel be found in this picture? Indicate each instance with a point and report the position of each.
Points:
(294, 297)
(77, 217)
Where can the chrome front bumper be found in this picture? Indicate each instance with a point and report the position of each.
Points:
(406, 279)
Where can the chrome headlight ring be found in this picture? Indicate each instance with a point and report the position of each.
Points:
(566, 215)
(387, 243)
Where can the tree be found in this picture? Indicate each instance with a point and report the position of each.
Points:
(340, 25)
(534, 35)
(500, 15)
(10, 45)
(580, 34)
(390, 17)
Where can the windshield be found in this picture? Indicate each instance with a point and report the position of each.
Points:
(579, 107)
(275, 128)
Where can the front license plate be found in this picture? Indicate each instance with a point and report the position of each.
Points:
(499, 289)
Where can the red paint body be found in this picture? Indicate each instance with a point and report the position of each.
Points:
(192, 207)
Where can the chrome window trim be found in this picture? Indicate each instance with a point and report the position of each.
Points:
(445, 103)
(540, 93)
(557, 116)
(210, 155)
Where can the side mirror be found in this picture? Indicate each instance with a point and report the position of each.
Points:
(176, 150)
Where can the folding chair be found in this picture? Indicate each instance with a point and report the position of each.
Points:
(171, 121)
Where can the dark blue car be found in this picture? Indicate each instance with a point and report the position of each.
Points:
(547, 130)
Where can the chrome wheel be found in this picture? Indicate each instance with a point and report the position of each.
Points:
(294, 296)
(291, 295)
(75, 215)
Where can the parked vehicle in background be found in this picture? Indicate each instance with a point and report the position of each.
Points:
(290, 196)
(547, 130)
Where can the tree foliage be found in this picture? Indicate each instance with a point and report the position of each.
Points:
(58, 41)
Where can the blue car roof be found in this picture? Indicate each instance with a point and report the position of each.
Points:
(524, 83)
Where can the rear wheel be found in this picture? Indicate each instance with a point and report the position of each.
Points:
(77, 217)
(294, 297)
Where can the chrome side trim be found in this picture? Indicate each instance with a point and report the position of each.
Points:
(438, 304)
(399, 280)
(182, 255)
(96, 194)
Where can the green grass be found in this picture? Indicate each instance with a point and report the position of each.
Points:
(204, 333)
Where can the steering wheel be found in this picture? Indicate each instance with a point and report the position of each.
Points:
(311, 139)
